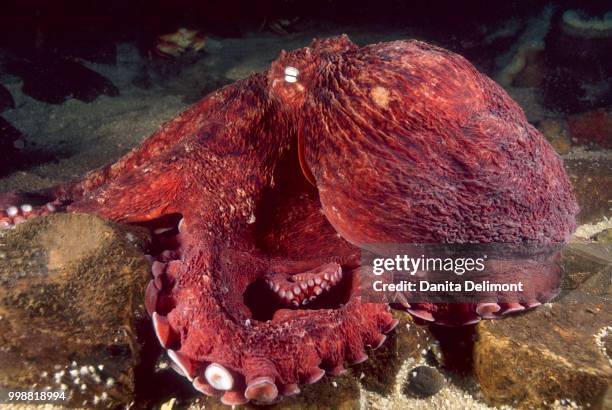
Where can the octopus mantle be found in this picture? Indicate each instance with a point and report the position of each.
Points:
(261, 195)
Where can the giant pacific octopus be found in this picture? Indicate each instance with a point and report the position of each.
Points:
(261, 196)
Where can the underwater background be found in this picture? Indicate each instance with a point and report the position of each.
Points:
(83, 83)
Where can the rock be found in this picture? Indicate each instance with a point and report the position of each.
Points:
(71, 299)
(6, 99)
(557, 134)
(592, 128)
(555, 352)
(605, 402)
(591, 180)
(408, 340)
(53, 80)
(423, 381)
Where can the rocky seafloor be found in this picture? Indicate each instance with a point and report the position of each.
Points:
(71, 309)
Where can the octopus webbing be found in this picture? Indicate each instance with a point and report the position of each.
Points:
(261, 196)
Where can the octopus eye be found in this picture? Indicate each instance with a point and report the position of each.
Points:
(291, 74)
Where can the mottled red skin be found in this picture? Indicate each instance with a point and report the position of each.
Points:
(213, 165)
(404, 142)
(409, 143)
(448, 157)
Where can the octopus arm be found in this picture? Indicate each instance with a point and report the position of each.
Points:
(142, 194)
(203, 118)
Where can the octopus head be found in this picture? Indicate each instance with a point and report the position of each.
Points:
(294, 75)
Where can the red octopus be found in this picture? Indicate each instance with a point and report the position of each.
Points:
(261, 195)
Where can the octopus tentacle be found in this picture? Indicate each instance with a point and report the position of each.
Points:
(466, 313)
(15, 214)
(187, 125)
(262, 372)
(142, 194)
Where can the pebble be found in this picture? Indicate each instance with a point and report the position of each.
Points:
(423, 381)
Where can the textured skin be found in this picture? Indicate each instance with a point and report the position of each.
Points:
(212, 165)
(409, 143)
(404, 142)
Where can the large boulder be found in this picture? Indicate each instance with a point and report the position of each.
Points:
(71, 299)
(559, 352)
